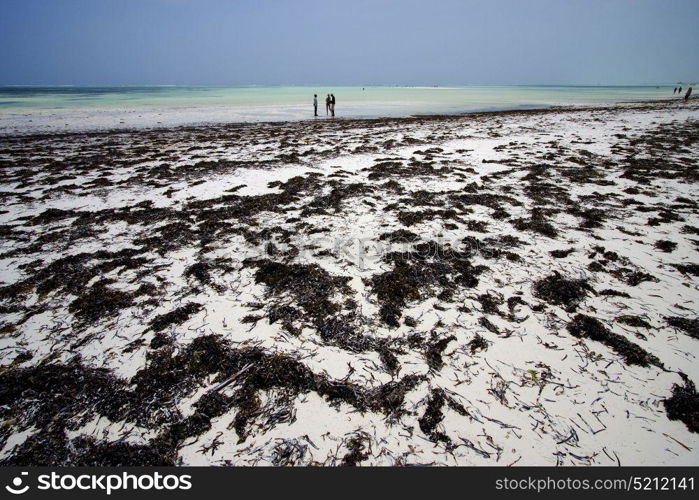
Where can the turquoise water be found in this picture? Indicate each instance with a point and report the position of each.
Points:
(32, 109)
(413, 99)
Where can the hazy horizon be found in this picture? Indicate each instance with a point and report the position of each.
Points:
(397, 85)
(340, 43)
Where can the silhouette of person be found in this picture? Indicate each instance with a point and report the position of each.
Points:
(315, 104)
(327, 105)
(332, 104)
(689, 93)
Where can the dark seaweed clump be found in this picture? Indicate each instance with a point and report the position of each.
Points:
(434, 415)
(689, 326)
(631, 277)
(490, 302)
(561, 291)
(635, 321)
(400, 236)
(203, 271)
(614, 293)
(684, 404)
(588, 327)
(309, 284)
(416, 273)
(98, 301)
(48, 396)
(312, 289)
(687, 269)
(412, 218)
(561, 254)
(358, 450)
(435, 350)
(666, 246)
(538, 223)
(176, 317)
(72, 274)
(478, 343)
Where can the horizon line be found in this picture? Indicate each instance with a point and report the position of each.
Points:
(132, 85)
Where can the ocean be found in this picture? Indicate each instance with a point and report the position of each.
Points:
(33, 108)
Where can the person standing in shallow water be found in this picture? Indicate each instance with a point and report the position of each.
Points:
(332, 104)
(689, 93)
(315, 104)
(327, 105)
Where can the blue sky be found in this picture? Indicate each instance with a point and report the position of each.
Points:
(335, 42)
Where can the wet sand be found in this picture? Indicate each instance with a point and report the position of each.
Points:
(489, 289)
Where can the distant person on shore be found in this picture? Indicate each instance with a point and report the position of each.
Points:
(315, 104)
(689, 93)
(679, 91)
(327, 105)
(332, 104)
(674, 91)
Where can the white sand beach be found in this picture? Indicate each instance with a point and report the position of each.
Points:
(516, 288)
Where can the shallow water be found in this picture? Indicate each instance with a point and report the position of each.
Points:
(26, 108)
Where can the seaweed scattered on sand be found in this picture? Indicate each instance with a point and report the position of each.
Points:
(689, 326)
(339, 193)
(358, 449)
(61, 393)
(478, 343)
(311, 285)
(588, 327)
(51, 447)
(410, 321)
(66, 394)
(687, 269)
(684, 404)
(591, 217)
(478, 226)
(537, 222)
(400, 236)
(312, 290)
(254, 388)
(289, 452)
(202, 272)
(490, 302)
(631, 277)
(635, 321)
(412, 218)
(176, 317)
(99, 301)
(416, 274)
(666, 246)
(488, 325)
(608, 292)
(71, 274)
(489, 200)
(556, 289)
(434, 415)
(596, 267)
(286, 315)
(434, 351)
(560, 254)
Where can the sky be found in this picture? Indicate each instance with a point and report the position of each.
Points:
(348, 42)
